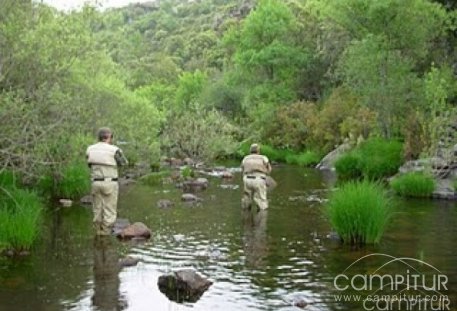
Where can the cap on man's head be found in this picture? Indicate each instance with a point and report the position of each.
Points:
(104, 133)
(255, 148)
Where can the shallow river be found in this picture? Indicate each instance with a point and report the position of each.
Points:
(257, 261)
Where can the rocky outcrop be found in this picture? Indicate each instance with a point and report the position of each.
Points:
(184, 285)
(444, 190)
(136, 230)
(328, 162)
(438, 165)
(443, 167)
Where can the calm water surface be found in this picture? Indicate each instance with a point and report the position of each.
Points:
(257, 261)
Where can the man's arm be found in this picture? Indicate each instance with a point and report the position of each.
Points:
(121, 160)
(267, 165)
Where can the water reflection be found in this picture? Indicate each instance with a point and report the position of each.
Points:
(106, 275)
(255, 237)
(263, 260)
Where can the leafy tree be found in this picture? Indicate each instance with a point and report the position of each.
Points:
(189, 88)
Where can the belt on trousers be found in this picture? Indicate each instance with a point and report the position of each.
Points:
(104, 179)
(254, 177)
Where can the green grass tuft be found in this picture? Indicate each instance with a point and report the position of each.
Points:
(374, 159)
(380, 158)
(8, 179)
(414, 185)
(359, 212)
(20, 218)
(75, 181)
(348, 166)
(70, 182)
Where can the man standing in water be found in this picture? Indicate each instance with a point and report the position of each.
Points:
(103, 159)
(255, 168)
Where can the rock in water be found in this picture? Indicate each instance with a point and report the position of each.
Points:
(164, 204)
(86, 200)
(128, 261)
(189, 197)
(66, 202)
(183, 285)
(137, 230)
(195, 185)
(328, 162)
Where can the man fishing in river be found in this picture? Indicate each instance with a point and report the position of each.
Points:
(255, 168)
(104, 159)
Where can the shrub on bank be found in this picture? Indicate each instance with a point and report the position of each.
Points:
(380, 158)
(71, 181)
(359, 212)
(414, 184)
(20, 217)
(348, 166)
(374, 159)
(307, 158)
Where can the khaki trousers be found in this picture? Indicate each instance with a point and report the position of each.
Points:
(255, 190)
(104, 194)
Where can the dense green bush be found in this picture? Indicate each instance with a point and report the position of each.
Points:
(20, 218)
(200, 134)
(380, 157)
(374, 159)
(71, 181)
(359, 212)
(307, 158)
(348, 166)
(273, 154)
(413, 184)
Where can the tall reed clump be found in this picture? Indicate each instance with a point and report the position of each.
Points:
(75, 181)
(20, 218)
(359, 212)
(414, 184)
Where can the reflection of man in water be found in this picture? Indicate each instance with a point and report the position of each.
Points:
(106, 275)
(255, 237)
